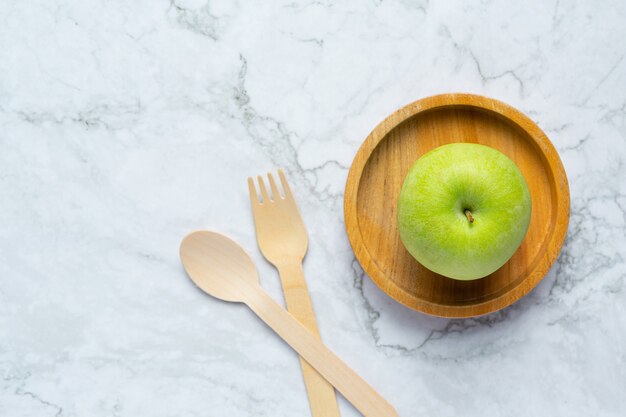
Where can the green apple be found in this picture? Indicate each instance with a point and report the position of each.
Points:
(463, 210)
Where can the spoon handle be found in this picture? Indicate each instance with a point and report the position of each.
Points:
(352, 386)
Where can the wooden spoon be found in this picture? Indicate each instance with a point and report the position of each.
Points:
(221, 268)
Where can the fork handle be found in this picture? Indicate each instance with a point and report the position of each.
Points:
(322, 399)
(306, 344)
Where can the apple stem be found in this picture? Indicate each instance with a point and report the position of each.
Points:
(469, 216)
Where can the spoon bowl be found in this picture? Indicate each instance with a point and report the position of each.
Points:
(218, 266)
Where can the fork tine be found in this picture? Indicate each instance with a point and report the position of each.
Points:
(285, 184)
(254, 198)
(275, 193)
(264, 194)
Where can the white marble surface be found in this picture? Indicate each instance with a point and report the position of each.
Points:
(127, 124)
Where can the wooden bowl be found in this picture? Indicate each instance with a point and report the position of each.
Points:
(378, 172)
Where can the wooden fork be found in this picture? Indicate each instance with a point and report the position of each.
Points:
(283, 240)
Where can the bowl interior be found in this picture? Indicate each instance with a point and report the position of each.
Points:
(382, 178)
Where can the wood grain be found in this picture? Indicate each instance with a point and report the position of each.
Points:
(377, 174)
